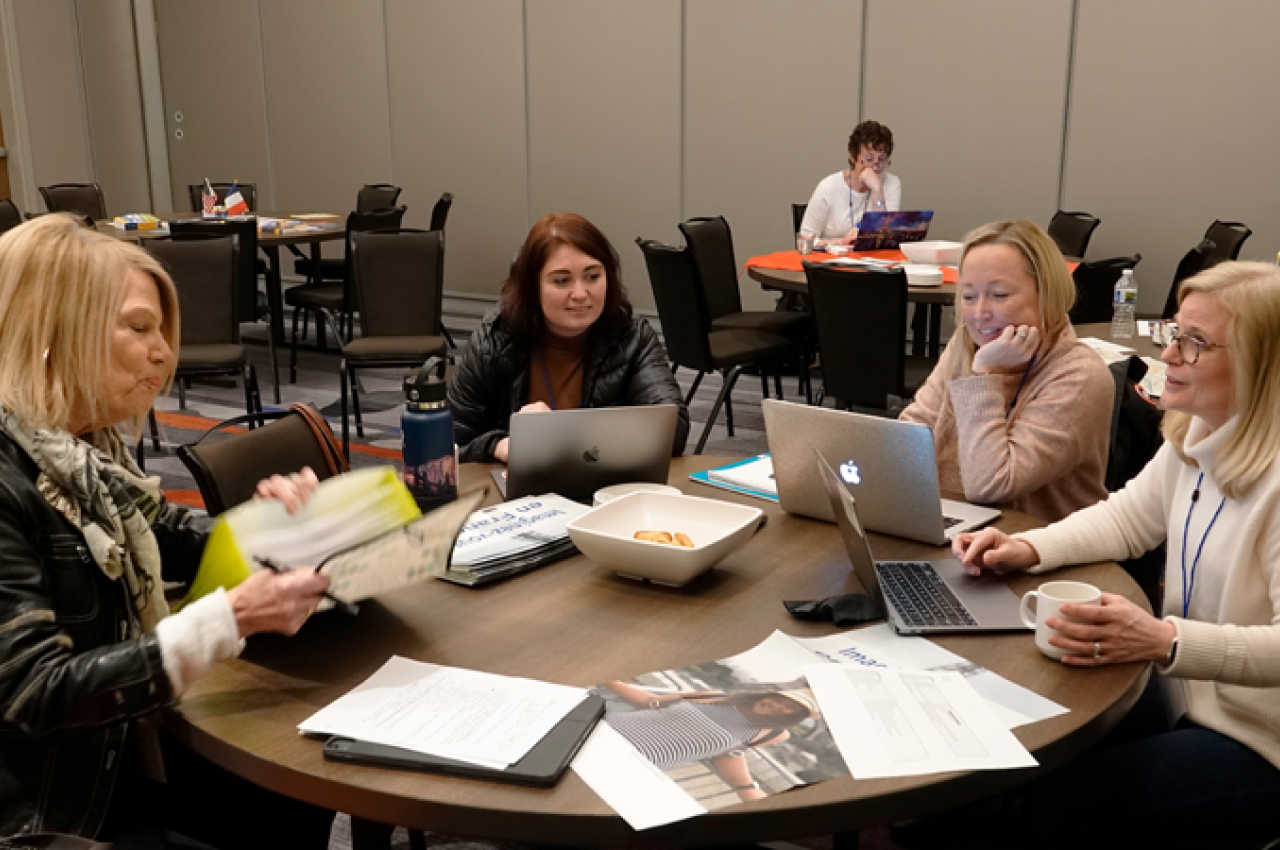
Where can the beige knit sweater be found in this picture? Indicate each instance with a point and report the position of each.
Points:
(1227, 670)
(1049, 457)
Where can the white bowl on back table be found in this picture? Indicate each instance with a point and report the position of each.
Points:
(932, 252)
(606, 535)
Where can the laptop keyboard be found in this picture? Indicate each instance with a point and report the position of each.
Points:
(920, 595)
(948, 521)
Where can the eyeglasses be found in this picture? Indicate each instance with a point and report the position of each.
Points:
(873, 161)
(1190, 347)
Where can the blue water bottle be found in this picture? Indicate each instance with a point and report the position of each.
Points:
(430, 462)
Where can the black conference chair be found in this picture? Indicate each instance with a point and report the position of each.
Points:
(251, 304)
(797, 216)
(440, 212)
(693, 342)
(1228, 238)
(371, 198)
(376, 196)
(204, 272)
(1072, 231)
(861, 317)
(1095, 288)
(248, 191)
(10, 215)
(398, 282)
(82, 199)
(711, 243)
(335, 297)
(1193, 262)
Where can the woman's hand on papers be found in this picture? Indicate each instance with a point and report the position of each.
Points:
(276, 602)
(993, 550)
(295, 491)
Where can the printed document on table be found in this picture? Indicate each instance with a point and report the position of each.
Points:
(891, 722)
(466, 715)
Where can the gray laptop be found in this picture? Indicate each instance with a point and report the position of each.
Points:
(920, 597)
(887, 464)
(576, 452)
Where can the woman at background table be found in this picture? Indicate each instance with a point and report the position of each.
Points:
(1020, 409)
(673, 729)
(841, 199)
(1213, 493)
(87, 644)
(563, 337)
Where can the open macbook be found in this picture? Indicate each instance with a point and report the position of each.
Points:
(576, 452)
(887, 464)
(920, 597)
(886, 230)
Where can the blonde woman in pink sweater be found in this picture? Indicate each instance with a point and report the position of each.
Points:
(1206, 767)
(1020, 409)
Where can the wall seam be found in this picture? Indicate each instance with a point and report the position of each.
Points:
(391, 123)
(266, 111)
(155, 133)
(84, 92)
(1066, 106)
(528, 134)
(862, 63)
(17, 93)
(684, 105)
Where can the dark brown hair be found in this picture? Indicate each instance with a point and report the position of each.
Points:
(874, 136)
(746, 705)
(521, 304)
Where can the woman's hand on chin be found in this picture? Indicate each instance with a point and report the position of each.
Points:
(1009, 352)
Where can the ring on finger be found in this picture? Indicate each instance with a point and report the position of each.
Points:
(1097, 649)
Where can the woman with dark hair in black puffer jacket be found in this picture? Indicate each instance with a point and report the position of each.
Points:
(563, 337)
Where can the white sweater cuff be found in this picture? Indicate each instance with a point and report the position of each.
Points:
(198, 637)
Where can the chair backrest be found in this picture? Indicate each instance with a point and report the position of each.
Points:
(797, 216)
(247, 262)
(204, 270)
(228, 470)
(711, 243)
(248, 191)
(1072, 230)
(376, 196)
(861, 319)
(10, 215)
(682, 305)
(398, 281)
(440, 212)
(1095, 288)
(1228, 237)
(83, 199)
(1135, 425)
(1193, 262)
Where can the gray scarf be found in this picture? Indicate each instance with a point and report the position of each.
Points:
(100, 490)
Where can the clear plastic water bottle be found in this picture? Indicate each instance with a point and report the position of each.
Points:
(1125, 306)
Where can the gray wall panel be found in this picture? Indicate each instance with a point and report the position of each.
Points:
(327, 111)
(771, 95)
(974, 93)
(114, 97)
(1172, 126)
(222, 102)
(458, 125)
(604, 120)
(48, 52)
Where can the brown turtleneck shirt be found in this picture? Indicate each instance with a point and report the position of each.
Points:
(555, 372)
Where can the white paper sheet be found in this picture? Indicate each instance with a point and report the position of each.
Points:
(632, 785)
(445, 711)
(1108, 351)
(896, 722)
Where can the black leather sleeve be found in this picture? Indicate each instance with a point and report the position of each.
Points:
(650, 381)
(47, 683)
(181, 536)
(478, 399)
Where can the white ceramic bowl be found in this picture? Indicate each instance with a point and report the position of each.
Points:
(606, 535)
(933, 252)
(617, 491)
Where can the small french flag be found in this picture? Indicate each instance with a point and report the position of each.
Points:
(235, 201)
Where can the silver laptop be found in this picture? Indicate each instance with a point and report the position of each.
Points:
(920, 597)
(887, 464)
(576, 452)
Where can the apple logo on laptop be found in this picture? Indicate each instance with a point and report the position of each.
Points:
(592, 455)
(849, 472)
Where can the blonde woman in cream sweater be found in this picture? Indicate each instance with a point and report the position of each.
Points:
(1213, 493)
(1020, 409)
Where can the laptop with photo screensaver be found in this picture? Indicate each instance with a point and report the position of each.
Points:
(887, 464)
(920, 597)
(574, 453)
(880, 231)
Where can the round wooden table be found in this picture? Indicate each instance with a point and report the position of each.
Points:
(579, 624)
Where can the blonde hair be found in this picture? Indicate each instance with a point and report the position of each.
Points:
(62, 287)
(1042, 261)
(1250, 295)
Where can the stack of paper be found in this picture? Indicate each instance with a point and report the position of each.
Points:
(753, 477)
(512, 537)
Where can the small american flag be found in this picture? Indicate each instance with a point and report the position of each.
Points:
(208, 198)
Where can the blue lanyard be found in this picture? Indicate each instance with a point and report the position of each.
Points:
(1189, 588)
(546, 379)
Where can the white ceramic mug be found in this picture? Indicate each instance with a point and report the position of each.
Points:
(1049, 597)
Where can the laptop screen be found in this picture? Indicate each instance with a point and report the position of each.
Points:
(851, 530)
(887, 230)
